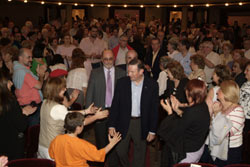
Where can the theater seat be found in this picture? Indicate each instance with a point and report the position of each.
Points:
(238, 165)
(31, 162)
(189, 164)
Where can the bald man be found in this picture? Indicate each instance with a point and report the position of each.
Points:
(130, 55)
(100, 91)
(28, 86)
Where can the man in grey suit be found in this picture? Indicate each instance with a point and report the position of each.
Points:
(100, 91)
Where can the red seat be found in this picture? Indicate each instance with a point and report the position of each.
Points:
(31, 162)
(188, 165)
(238, 165)
(32, 141)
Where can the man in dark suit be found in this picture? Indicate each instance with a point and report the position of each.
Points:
(100, 92)
(152, 60)
(134, 113)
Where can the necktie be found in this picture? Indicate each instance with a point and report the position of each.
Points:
(108, 89)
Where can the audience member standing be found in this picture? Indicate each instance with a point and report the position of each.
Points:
(153, 58)
(114, 39)
(121, 49)
(13, 121)
(184, 56)
(66, 50)
(245, 97)
(92, 47)
(28, 86)
(211, 60)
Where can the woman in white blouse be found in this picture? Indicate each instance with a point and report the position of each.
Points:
(77, 76)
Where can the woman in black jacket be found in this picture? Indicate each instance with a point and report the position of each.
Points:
(185, 129)
(176, 82)
(13, 121)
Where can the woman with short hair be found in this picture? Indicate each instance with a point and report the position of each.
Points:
(197, 66)
(185, 129)
(176, 82)
(53, 113)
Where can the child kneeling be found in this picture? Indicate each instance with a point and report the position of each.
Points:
(71, 151)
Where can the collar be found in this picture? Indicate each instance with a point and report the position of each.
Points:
(106, 70)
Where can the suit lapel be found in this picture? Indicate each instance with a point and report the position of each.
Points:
(129, 90)
(144, 90)
(103, 80)
(116, 74)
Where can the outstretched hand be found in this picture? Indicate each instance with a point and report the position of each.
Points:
(91, 109)
(115, 138)
(100, 114)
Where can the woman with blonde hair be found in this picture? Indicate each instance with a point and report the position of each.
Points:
(228, 96)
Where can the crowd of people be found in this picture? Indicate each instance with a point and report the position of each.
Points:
(121, 75)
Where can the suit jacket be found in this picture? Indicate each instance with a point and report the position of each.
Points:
(155, 68)
(96, 91)
(120, 113)
(122, 66)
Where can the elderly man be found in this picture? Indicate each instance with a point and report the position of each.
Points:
(100, 91)
(131, 54)
(121, 49)
(211, 59)
(28, 86)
